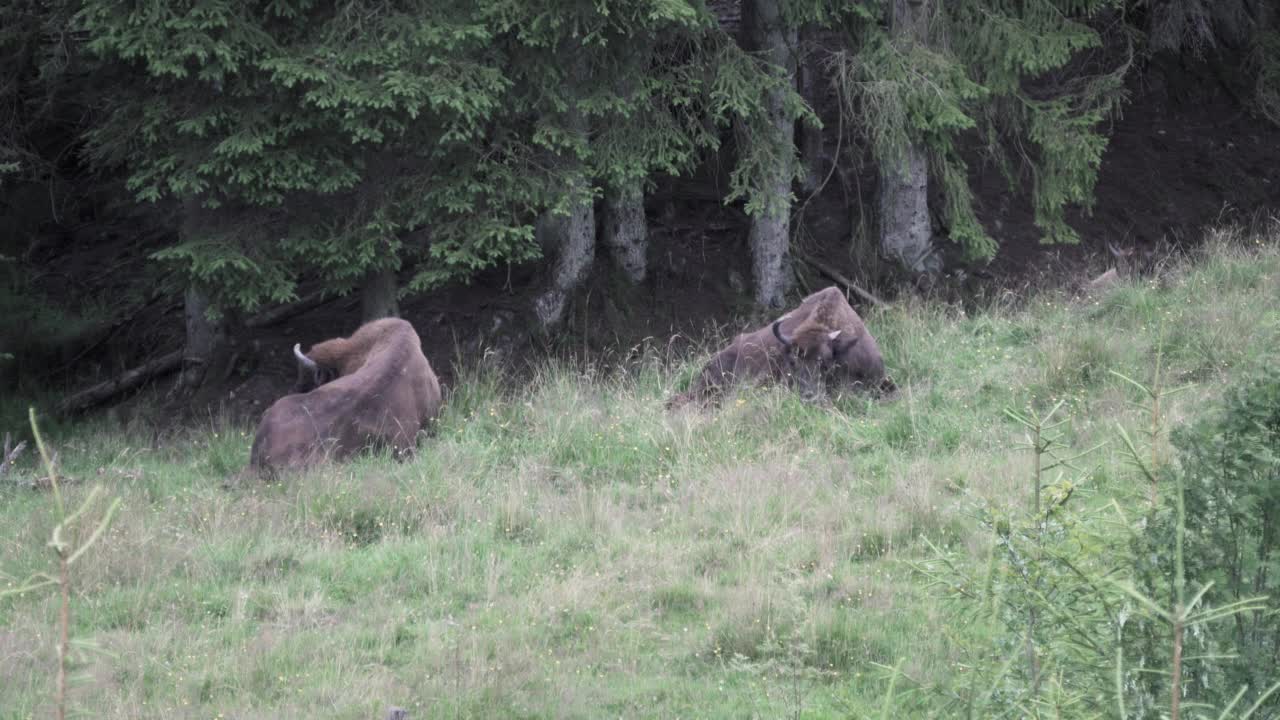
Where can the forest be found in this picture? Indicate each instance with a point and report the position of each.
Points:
(1056, 218)
(174, 171)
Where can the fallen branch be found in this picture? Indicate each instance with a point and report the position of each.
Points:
(11, 453)
(105, 333)
(851, 285)
(284, 312)
(130, 379)
(125, 381)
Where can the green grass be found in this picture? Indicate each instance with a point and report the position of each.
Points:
(570, 549)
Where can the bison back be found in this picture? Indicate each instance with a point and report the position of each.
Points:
(298, 431)
(756, 355)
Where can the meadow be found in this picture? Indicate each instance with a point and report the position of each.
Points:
(567, 548)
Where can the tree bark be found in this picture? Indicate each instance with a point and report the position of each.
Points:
(571, 238)
(626, 233)
(812, 160)
(574, 238)
(205, 337)
(769, 235)
(906, 234)
(378, 295)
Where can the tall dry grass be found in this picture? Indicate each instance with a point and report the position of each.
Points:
(571, 549)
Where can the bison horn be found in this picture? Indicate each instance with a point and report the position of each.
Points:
(306, 362)
(777, 332)
(1118, 252)
(833, 335)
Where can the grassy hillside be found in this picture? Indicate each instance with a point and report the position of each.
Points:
(568, 549)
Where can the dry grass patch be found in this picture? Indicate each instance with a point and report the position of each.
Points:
(570, 549)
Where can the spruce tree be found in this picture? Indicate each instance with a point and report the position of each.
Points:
(982, 67)
(42, 109)
(312, 137)
(425, 140)
(353, 142)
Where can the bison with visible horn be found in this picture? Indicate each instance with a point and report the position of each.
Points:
(852, 355)
(823, 337)
(373, 388)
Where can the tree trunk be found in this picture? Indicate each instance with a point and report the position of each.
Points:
(810, 138)
(770, 230)
(574, 240)
(205, 337)
(906, 234)
(626, 233)
(571, 238)
(378, 295)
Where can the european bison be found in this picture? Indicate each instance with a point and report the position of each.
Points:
(855, 358)
(823, 337)
(373, 388)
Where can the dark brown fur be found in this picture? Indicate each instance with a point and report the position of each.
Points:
(382, 392)
(755, 355)
(855, 358)
(823, 336)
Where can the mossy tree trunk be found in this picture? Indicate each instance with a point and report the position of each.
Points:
(205, 338)
(625, 231)
(769, 236)
(571, 238)
(906, 234)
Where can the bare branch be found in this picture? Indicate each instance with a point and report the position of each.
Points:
(836, 276)
(11, 454)
(105, 390)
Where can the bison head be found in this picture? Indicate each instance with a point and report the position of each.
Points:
(820, 349)
(856, 361)
(826, 329)
(311, 374)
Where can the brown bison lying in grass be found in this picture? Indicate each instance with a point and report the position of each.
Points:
(373, 388)
(855, 358)
(823, 338)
